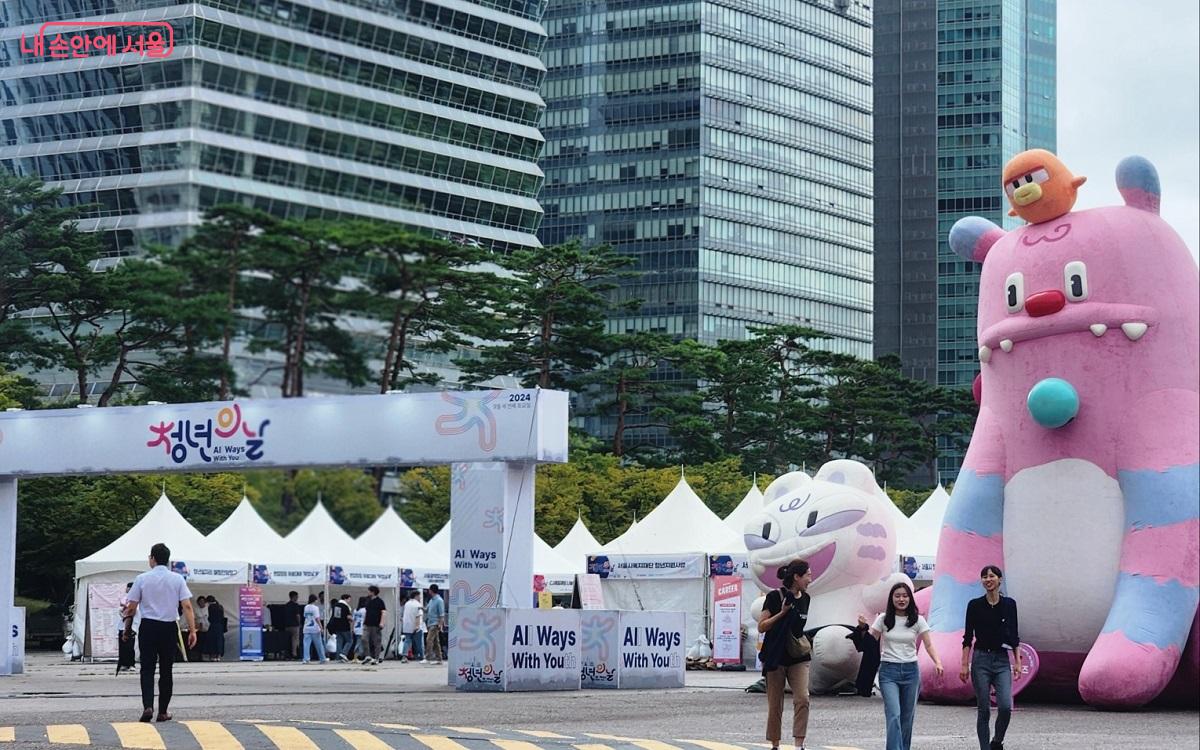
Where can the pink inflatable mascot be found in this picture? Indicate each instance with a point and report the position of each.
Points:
(1082, 480)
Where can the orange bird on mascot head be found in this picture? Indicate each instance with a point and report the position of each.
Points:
(1039, 186)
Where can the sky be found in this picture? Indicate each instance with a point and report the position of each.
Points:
(1129, 83)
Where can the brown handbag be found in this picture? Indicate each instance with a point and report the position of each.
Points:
(798, 646)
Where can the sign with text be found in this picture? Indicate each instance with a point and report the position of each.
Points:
(600, 649)
(287, 575)
(477, 653)
(542, 649)
(205, 572)
(358, 575)
(421, 578)
(729, 565)
(18, 640)
(652, 649)
(250, 623)
(591, 596)
(647, 566)
(104, 618)
(727, 619)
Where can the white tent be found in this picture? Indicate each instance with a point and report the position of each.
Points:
(127, 556)
(391, 538)
(680, 523)
(902, 523)
(750, 506)
(925, 525)
(250, 537)
(321, 538)
(577, 545)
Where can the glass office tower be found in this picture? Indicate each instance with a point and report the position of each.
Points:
(726, 145)
(962, 86)
(420, 112)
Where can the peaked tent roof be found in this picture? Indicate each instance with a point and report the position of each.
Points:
(436, 555)
(903, 524)
(925, 525)
(321, 539)
(162, 523)
(680, 523)
(750, 506)
(391, 538)
(547, 561)
(247, 535)
(578, 544)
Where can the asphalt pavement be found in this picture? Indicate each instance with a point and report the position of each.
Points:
(289, 706)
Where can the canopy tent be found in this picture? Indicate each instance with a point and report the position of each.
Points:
(391, 538)
(750, 506)
(321, 538)
(925, 526)
(900, 522)
(254, 540)
(680, 523)
(577, 545)
(202, 560)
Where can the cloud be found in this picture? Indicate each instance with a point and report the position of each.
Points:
(1128, 83)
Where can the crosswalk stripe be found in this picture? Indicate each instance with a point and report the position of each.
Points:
(592, 747)
(434, 742)
(212, 735)
(287, 738)
(468, 730)
(395, 726)
(8, 734)
(139, 735)
(361, 739)
(515, 745)
(67, 734)
(654, 745)
(710, 745)
(609, 737)
(542, 734)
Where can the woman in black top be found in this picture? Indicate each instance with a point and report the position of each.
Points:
(786, 610)
(991, 627)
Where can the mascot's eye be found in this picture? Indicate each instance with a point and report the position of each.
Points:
(812, 519)
(766, 531)
(1014, 292)
(1075, 281)
(1028, 179)
(1016, 184)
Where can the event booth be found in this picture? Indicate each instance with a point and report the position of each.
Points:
(578, 544)
(918, 547)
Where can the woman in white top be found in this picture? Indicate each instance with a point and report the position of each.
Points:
(897, 631)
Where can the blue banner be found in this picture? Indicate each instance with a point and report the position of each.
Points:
(250, 622)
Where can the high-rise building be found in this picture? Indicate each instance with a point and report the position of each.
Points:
(726, 145)
(961, 86)
(422, 112)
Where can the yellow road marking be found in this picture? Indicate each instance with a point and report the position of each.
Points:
(362, 740)
(67, 734)
(592, 747)
(287, 738)
(140, 735)
(710, 745)
(395, 726)
(543, 734)
(468, 730)
(434, 742)
(212, 736)
(654, 745)
(8, 734)
(514, 745)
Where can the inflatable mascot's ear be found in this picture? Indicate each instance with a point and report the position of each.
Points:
(1039, 186)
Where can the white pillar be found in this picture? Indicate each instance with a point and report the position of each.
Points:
(8, 568)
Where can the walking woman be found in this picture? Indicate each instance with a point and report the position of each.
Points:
(897, 631)
(992, 628)
(784, 615)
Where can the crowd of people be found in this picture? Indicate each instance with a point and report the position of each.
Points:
(991, 657)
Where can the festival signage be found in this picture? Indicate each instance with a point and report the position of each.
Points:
(647, 566)
(727, 619)
(542, 649)
(421, 578)
(104, 618)
(18, 640)
(729, 565)
(918, 568)
(264, 574)
(358, 575)
(206, 572)
(250, 623)
(600, 649)
(419, 428)
(652, 649)
(591, 596)
(477, 660)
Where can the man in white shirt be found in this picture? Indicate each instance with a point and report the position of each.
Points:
(410, 626)
(158, 594)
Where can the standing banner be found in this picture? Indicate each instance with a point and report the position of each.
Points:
(600, 649)
(684, 565)
(18, 640)
(250, 623)
(104, 618)
(542, 649)
(727, 619)
(591, 596)
(652, 650)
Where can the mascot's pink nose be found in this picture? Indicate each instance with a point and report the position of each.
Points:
(1045, 303)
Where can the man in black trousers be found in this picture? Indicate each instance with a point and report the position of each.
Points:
(159, 593)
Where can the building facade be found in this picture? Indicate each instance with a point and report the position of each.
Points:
(724, 144)
(419, 112)
(961, 86)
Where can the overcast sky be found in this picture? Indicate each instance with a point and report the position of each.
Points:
(1128, 84)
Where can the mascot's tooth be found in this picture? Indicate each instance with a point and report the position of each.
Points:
(1134, 331)
(1098, 329)
(984, 354)
(1006, 345)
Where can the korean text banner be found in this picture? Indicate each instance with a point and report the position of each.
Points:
(398, 429)
(647, 566)
(727, 619)
(206, 572)
(250, 623)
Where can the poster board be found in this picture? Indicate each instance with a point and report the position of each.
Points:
(652, 649)
(250, 623)
(727, 619)
(104, 619)
(542, 649)
(588, 592)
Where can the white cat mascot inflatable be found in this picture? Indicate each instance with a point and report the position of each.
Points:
(840, 522)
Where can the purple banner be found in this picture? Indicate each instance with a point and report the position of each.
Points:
(250, 620)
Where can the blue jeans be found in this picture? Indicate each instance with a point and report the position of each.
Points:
(415, 640)
(991, 669)
(315, 641)
(900, 683)
(343, 643)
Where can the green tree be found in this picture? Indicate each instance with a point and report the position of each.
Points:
(426, 492)
(552, 324)
(626, 386)
(348, 495)
(18, 392)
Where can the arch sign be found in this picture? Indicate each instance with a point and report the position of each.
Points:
(494, 440)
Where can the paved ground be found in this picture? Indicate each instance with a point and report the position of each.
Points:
(288, 706)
